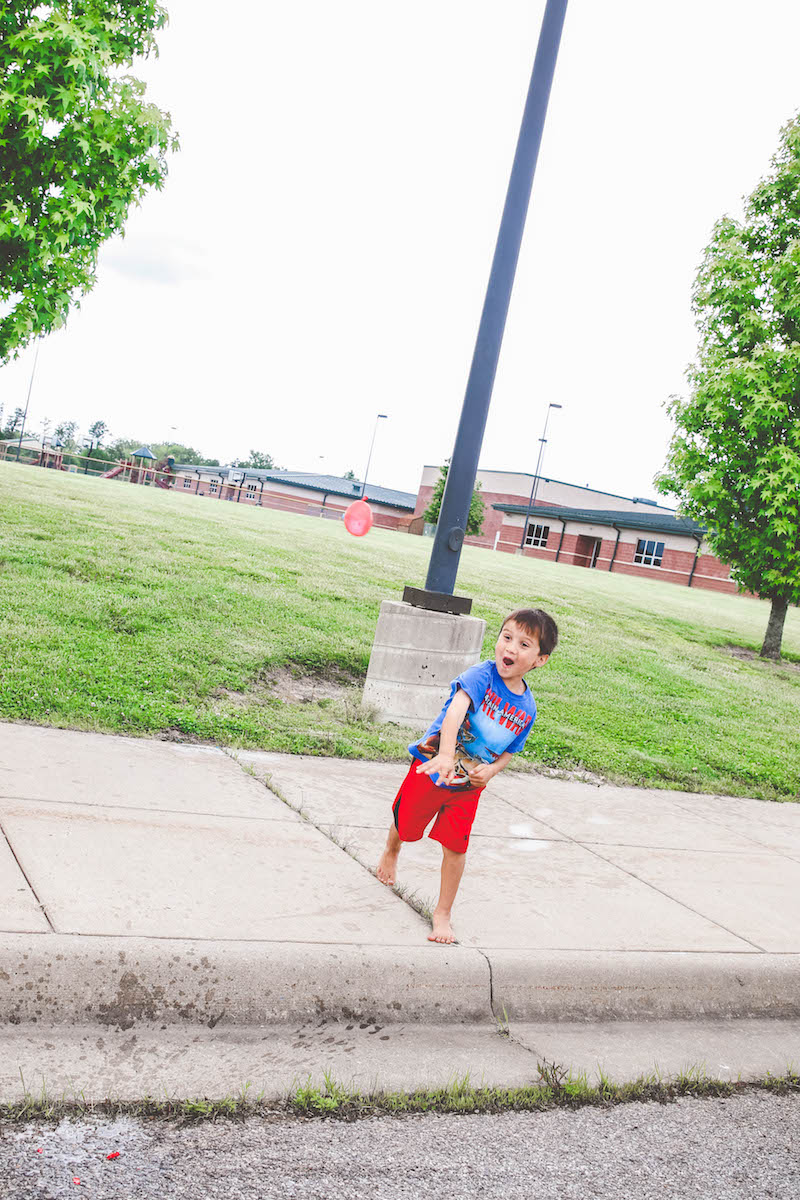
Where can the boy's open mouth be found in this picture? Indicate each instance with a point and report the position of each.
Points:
(508, 662)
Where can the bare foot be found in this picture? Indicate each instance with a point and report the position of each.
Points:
(442, 930)
(387, 867)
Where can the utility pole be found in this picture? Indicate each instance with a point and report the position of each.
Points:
(27, 402)
(380, 417)
(535, 484)
(446, 552)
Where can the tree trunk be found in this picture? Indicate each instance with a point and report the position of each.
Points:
(774, 634)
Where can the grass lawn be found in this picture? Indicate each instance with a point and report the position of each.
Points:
(135, 611)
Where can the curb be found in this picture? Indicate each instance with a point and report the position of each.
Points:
(75, 979)
(53, 979)
(553, 985)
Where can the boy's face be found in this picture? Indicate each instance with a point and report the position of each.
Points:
(517, 652)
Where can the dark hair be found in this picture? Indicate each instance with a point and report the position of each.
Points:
(538, 624)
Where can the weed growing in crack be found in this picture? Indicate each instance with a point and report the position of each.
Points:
(420, 904)
(556, 1087)
(503, 1025)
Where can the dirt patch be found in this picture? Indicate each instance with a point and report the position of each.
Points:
(177, 735)
(746, 655)
(293, 687)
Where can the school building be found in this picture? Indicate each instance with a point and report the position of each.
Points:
(295, 491)
(590, 529)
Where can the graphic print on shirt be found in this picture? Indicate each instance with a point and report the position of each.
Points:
(464, 761)
(483, 736)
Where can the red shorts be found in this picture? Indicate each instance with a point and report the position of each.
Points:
(419, 801)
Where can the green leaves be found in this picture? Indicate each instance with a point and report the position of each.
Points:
(78, 146)
(477, 509)
(734, 461)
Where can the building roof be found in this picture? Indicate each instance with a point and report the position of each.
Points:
(28, 443)
(333, 485)
(578, 486)
(647, 522)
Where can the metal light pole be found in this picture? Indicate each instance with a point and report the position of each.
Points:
(454, 511)
(27, 402)
(380, 417)
(88, 444)
(535, 484)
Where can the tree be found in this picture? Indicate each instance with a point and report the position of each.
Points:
(258, 460)
(122, 448)
(182, 454)
(97, 431)
(79, 145)
(14, 422)
(65, 433)
(350, 475)
(734, 460)
(477, 509)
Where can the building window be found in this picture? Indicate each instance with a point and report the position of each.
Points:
(537, 535)
(187, 482)
(649, 554)
(212, 487)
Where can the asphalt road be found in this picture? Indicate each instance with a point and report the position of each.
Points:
(747, 1146)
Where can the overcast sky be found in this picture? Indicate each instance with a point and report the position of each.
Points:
(320, 251)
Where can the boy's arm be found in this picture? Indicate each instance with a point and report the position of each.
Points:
(480, 776)
(445, 761)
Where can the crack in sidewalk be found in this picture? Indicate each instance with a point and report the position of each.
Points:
(41, 907)
(404, 894)
(590, 848)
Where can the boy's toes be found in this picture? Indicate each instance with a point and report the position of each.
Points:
(442, 932)
(386, 869)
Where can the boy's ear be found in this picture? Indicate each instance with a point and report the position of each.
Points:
(541, 660)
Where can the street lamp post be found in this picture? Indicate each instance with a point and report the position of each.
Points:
(88, 445)
(454, 512)
(535, 484)
(408, 678)
(28, 400)
(380, 417)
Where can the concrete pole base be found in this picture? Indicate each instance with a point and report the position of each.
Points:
(415, 656)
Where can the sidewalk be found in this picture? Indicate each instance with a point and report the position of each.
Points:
(148, 887)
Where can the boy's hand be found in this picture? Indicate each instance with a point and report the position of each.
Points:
(480, 776)
(443, 764)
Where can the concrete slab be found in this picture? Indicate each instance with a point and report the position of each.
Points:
(19, 911)
(756, 895)
(617, 816)
(529, 894)
(271, 1061)
(774, 826)
(330, 790)
(334, 792)
(117, 872)
(556, 985)
(626, 1050)
(121, 983)
(415, 655)
(62, 766)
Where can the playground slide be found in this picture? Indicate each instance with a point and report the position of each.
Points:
(114, 471)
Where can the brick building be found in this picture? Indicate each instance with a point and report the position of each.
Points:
(295, 491)
(591, 529)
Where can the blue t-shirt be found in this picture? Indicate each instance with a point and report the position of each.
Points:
(497, 720)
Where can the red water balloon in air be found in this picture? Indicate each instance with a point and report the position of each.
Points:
(358, 518)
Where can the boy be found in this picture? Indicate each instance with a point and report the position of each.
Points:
(487, 718)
